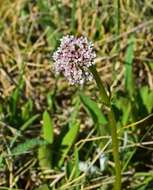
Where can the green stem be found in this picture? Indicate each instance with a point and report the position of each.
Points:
(103, 94)
(73, 29)
(117, 22)
(112, 123)
(115, 145)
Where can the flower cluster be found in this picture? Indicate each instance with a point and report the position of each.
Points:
(73, 58)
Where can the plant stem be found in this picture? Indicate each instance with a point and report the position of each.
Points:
(103, 94)
(115, 145)
(73, 16)
(117, 21)
(112, 123)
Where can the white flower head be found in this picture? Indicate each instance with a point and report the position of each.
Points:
(73, 58)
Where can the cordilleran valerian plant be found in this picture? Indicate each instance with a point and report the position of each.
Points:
(75, 60)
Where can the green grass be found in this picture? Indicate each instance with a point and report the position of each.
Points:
(52, 136)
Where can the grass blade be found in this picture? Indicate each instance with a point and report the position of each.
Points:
(129, 81)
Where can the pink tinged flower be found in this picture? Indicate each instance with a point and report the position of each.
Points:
(73, 58)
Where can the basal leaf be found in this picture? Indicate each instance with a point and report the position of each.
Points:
(27, 145)
(93, 109)
(47, 128)
(45, 157)
(68, 140)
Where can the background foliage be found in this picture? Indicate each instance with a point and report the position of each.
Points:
(52, 136)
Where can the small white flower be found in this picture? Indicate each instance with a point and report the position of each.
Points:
(73, 58)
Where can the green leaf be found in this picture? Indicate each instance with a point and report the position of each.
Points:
(27, 110)
(43, 6)
(23, 128)
(72, 169)
(45, 157)
(96, 114)
(15, 97)
(129, 56)
(45, 151)
(75, 172)
(52, 36)
(48, 133)
(76, 160)
(1, 162)
(147, 98)
(29, 122)
(68, 140)
(93, 109)
(27, 145)
(42, 187)
(124, 105)
(151, 65)
(69, 168)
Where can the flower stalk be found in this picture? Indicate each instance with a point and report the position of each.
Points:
(112, 123)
